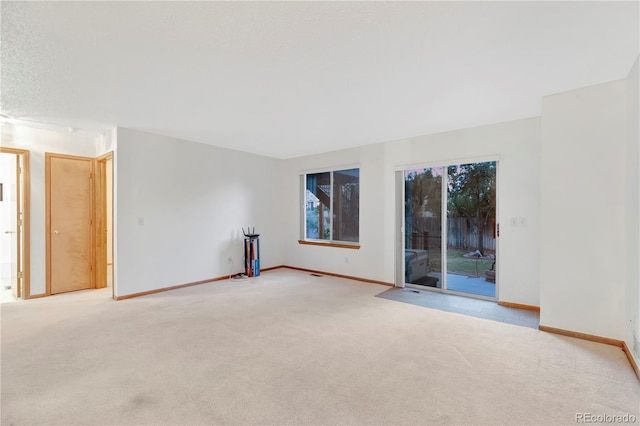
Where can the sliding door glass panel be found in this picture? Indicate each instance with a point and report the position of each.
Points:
(346, 205)
(318, 206)
(471, 224)
(423, 227)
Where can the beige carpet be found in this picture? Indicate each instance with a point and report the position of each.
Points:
(290, 348)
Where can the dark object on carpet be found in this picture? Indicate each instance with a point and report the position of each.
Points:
(427, 281)
(490, 275)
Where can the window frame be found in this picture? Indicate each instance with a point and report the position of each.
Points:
(331, 242)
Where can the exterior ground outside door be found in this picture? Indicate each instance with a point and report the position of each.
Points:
(69, 200)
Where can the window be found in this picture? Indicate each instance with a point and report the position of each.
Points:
(332, 206)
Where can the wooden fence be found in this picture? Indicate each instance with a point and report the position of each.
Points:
(425, 233)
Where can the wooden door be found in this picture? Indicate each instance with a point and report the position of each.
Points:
(69, 223)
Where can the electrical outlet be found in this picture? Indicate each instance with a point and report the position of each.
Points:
(522, 222)
(141, 221)
(514, 222)
(230, 260)
(346, 259)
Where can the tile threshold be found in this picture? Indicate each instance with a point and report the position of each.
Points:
(477, 308)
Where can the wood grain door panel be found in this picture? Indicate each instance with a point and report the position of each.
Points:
(70, 223)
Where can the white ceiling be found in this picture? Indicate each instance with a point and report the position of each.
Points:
(285, 79)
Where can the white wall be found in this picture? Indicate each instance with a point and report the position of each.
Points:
(194, 199)
(632, 309)
(39, 141)
(367, 262)
(517, 145)
(107, 142)
(582, 222)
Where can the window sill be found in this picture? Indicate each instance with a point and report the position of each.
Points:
(339, 245)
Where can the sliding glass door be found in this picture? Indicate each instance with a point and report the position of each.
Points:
(460, 199)
(471, 224)
(423, 227)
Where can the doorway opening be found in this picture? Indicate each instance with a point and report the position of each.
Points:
(104, 221)
(79, 231)
(449, 237)
(14, 224)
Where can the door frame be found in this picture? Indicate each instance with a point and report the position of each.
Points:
(24, 195)
(400, 225)
(101, 240)
(47, 179)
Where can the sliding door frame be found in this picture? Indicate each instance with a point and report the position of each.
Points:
(400, 223)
